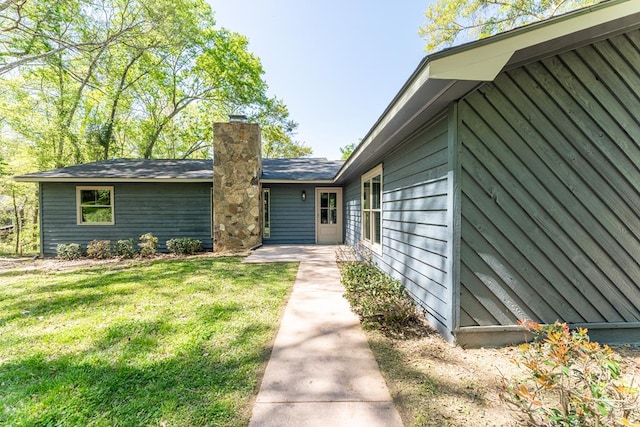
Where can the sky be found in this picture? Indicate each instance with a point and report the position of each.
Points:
(336, 64)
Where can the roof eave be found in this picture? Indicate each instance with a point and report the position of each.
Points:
(452, 73)
(101, 179)
(297, 181)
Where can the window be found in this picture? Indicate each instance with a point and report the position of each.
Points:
(266, 213)
(328, 208)
(372, 206)
(95, 205)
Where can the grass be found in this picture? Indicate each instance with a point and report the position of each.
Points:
(171, 342)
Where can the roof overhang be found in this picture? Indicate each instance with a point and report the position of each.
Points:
(107, 180)
(485, 59)
(296, 181)
(449, 75)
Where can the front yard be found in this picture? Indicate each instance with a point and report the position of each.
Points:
(168, 342)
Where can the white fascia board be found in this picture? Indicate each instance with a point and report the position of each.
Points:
(485, 61)
(97, 179)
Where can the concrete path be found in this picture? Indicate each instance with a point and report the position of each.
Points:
(321, 371)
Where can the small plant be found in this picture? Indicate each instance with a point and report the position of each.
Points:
(148, 245)
(68, 251)
(570, 381)
(184, 246)
(99, 249)
(379, 299)
(125, 248)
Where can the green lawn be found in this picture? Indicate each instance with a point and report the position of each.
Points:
(167, 343)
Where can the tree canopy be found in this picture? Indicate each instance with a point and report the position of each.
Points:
(450, 22)
(86, 80)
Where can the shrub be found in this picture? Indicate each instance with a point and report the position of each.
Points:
(125, 248)
(570, 381)
(379, 299)
(99, 249)
(148, 245)
(184, 246)
(68, 251)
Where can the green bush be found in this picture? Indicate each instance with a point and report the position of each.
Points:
(148, 245)
(125, 248)
(184, 246)
(570, 381)
(68, 251)
(380, 300)
(99, 249)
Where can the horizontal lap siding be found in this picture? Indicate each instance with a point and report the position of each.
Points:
(292, 219)
(415, 218)
(551, 190)
(167, 210)
(352, 213)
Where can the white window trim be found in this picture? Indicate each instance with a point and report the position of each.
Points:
(375, 247)
(79, 204)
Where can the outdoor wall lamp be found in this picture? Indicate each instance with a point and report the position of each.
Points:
(304, 195)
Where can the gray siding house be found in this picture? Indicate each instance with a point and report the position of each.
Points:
(501, 183)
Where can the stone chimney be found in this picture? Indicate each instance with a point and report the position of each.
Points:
(237, 164)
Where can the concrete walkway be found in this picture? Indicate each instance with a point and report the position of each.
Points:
(321, 371)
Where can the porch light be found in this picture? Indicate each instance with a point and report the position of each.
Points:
(303, 195)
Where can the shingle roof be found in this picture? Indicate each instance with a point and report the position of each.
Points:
(127, 169)
(304, 169)
(301, 169)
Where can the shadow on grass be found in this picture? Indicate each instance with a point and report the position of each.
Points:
(194, 364)
(126, 379)
(190, 388)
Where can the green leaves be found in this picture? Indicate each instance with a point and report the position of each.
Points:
(570, 381)
(450, 22)
(93, 80)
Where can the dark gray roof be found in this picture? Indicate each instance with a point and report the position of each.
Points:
(127, 169)
(304, 169)
(301, 169)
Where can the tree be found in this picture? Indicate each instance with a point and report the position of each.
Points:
(278, 132)
(451, 22)
(345, 152)
(136, 78)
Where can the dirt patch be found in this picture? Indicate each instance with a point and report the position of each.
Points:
(436, 384)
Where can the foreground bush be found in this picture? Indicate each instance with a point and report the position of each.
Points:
(125, 248)
(148, 245)
(184, 246)
(99, 249)
(571, 381)
(379, 299)
(68, 251)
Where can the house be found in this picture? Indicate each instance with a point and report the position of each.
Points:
(502, 182)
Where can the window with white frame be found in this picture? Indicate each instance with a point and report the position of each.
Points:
(95, 205)
(372, 206)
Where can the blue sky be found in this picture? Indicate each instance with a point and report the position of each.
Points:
(336, 63)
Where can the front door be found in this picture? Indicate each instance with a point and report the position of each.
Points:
(328, 215)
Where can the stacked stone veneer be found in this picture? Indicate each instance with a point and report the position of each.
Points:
(237, 165)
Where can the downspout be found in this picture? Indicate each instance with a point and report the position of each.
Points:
(454, 211)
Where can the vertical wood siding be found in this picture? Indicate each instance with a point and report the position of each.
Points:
(551, 190)
(167, 210)
(292, 220)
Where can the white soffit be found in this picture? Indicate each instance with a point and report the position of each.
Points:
(485, 62)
